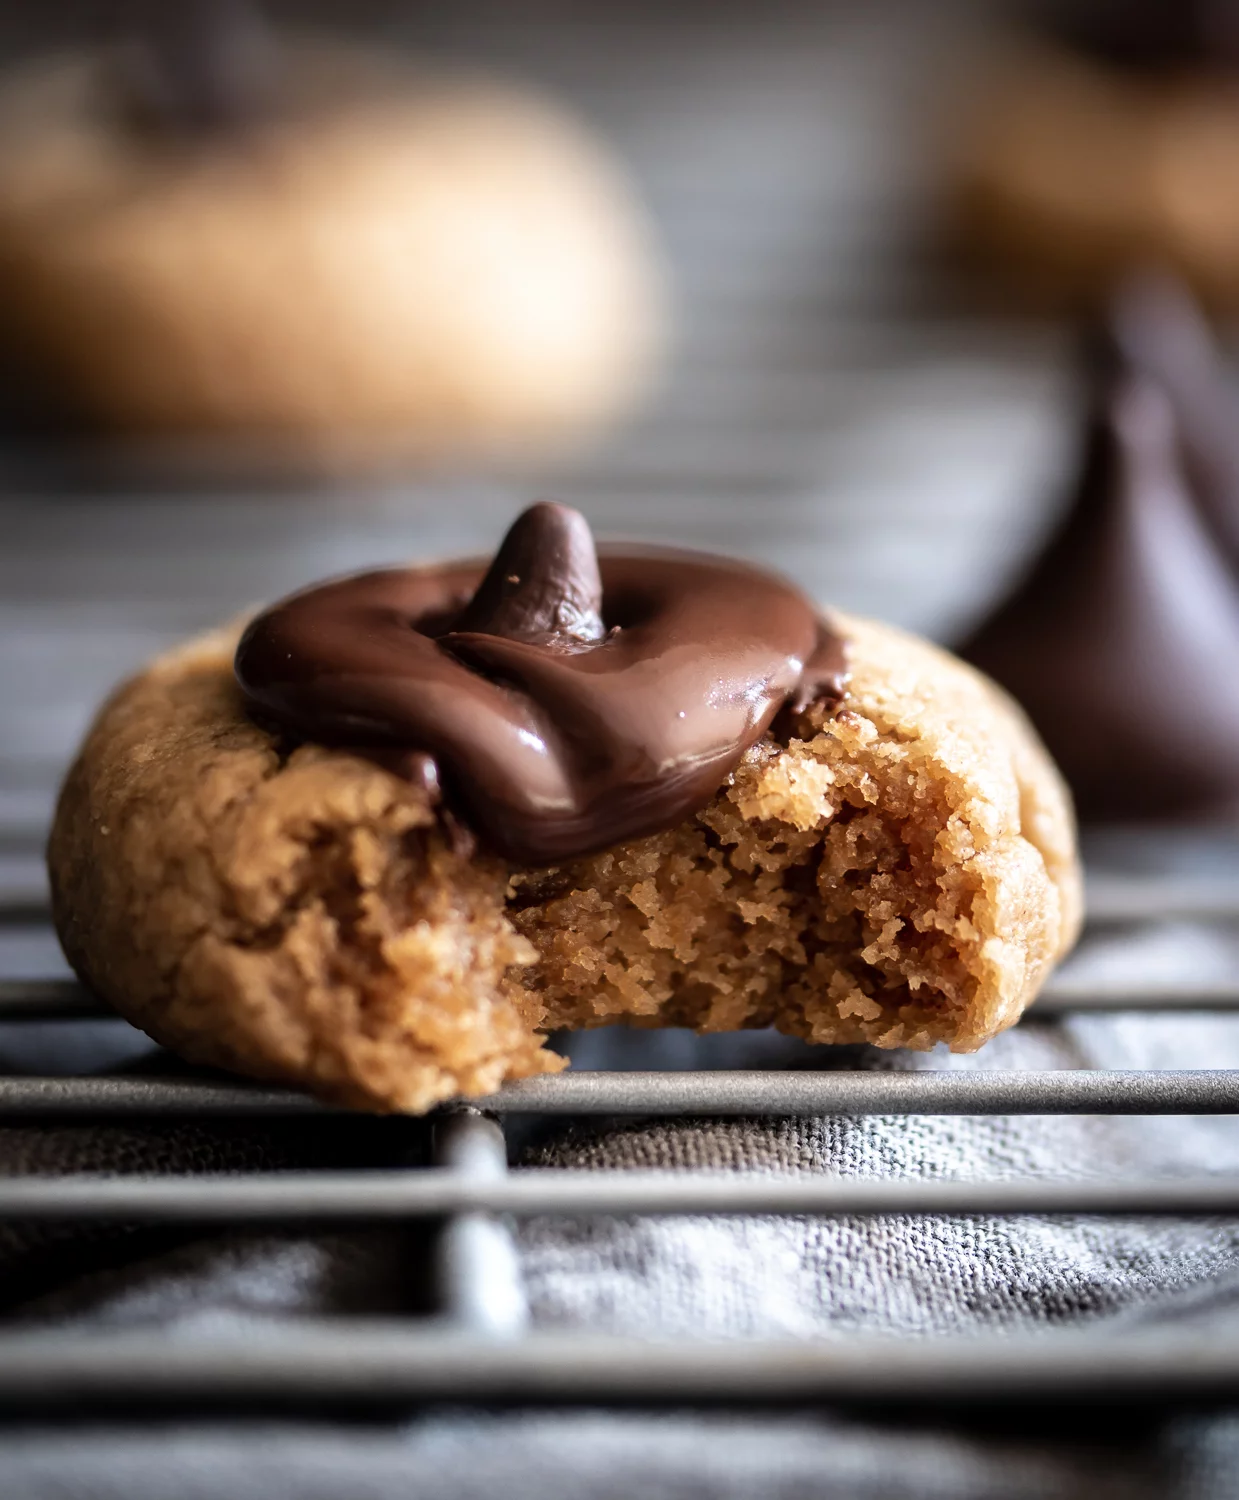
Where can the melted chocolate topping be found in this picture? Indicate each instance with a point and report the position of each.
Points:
(195, 67)
(1122, 641)
(567, 699)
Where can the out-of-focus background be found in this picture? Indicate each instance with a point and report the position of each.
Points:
(838, 399)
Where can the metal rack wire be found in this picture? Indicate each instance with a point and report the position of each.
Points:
(479, 1346)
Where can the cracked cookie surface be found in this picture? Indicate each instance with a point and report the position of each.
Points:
(902, 872)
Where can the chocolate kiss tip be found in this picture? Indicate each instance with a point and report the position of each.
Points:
(1151, 34)
(1155, 328)
(198, 65)
(550, 749)
(544, 582)
(1153, 323)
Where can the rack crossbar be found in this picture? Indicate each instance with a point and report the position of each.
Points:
(373, 1361)
(447, 1191)
(477, 1269)
(757, 1093)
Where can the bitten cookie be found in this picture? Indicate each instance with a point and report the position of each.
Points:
(383, 263)
(883, 853)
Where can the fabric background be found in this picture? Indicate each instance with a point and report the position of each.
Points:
(745, 1277)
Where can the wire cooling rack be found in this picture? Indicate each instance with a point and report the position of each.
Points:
(478, 1346)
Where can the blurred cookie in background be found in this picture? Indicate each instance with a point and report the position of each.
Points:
(1108, 136)
(313, 253)
(1121, 640)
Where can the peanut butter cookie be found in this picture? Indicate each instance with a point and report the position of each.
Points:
(879, 851)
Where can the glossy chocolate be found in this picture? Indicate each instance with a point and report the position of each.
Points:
(567, 700)
(1122, 642)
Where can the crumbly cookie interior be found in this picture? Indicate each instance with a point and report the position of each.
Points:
(902, 872)
(831, 890)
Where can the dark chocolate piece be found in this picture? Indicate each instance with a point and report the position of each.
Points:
(194, 67)
(1122, 642)
(1154, 326)
(544, 583)
(1150, 35)
(569, 699)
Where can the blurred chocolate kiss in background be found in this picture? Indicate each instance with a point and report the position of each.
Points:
(1122, 640)
(1150, 34)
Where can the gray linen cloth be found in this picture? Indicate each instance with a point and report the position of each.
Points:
(726, 1277)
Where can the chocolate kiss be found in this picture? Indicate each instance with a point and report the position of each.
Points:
(1153, 34)
(1154, 327)
(554, 736)
(1122, 641)
(196, 66)
(543, 585)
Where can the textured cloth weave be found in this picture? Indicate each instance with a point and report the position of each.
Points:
(758, 1276)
